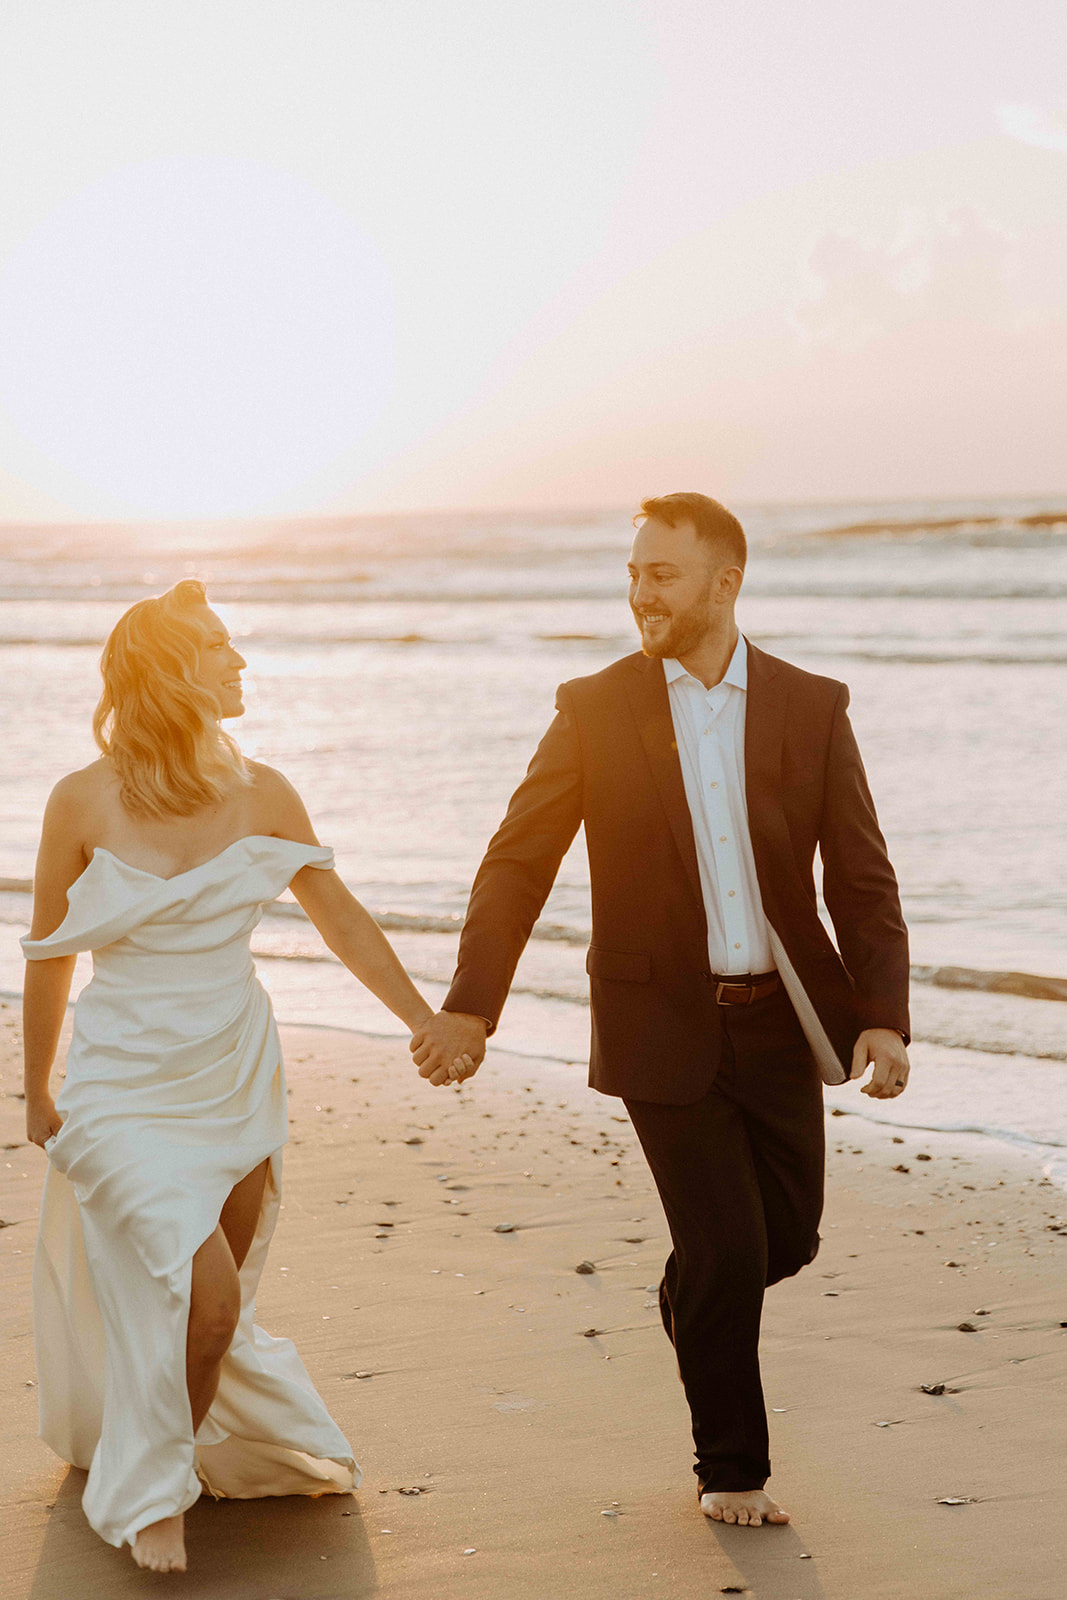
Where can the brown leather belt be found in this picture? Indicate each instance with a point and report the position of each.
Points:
(741, 991)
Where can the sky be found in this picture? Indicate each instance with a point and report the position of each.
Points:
(290, 257)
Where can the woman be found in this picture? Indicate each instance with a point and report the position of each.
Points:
(165, 1144)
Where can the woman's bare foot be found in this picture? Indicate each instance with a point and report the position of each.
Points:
(748, 1508)
(161, 1546)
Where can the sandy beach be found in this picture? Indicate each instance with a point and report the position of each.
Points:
(598, 464)
(520, 1424)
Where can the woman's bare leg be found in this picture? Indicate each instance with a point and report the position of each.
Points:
(214, 1307)
(240, 1214)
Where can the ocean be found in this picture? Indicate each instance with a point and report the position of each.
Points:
(401, 670)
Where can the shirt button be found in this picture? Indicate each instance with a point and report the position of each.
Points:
(732, 893)
(737, 947)
(722, 838)
(713, 786)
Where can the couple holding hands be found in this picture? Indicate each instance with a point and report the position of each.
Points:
(706, 774)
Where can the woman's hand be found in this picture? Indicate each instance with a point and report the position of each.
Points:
(462, 1067)
(42, 1120)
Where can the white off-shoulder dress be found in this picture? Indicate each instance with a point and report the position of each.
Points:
(174, 1092)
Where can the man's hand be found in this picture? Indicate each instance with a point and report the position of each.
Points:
(885, 1048)
(450, 1047)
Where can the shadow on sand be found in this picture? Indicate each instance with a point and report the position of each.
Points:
(294, 1548)
(770, 1561)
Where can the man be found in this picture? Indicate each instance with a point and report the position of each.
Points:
(706, 773)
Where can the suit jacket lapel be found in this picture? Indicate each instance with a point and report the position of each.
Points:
(647, 691)
(765, 719)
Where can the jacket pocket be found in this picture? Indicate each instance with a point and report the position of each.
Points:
(620, 966)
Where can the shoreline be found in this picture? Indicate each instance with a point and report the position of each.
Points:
(452, 1354)
(936, 975)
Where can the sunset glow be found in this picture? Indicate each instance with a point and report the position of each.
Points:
(360, 257)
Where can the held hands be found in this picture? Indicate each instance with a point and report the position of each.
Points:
(42, 1120)
(885, 1048)
(449, 1048)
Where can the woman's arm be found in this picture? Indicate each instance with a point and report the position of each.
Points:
(44, 1003)
(60, 860)
(356, 939)
(347, 928)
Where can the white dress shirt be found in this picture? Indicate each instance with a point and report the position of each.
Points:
(709, 727)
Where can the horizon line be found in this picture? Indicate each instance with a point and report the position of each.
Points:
(327, 519)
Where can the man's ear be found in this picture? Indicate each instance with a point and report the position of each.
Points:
(728, 584)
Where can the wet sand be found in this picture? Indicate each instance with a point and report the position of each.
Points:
(536, 1410)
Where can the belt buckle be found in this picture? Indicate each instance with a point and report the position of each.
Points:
(719, 987)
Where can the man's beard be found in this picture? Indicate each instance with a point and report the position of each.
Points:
(682, 634)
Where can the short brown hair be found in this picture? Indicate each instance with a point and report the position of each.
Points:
(711, 521)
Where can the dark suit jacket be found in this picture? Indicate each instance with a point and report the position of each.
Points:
(610, 760)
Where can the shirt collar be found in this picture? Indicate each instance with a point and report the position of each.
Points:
(736, 673)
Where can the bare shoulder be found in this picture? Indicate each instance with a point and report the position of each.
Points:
(78, 796)
(71, 819)
(268, 782)
(278, 807)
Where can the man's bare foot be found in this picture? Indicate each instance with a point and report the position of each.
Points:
(161, 1546)
(748, 1508)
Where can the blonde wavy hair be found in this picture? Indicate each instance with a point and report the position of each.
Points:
(154, 722)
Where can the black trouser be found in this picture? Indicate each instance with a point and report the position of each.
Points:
(740, 1174)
